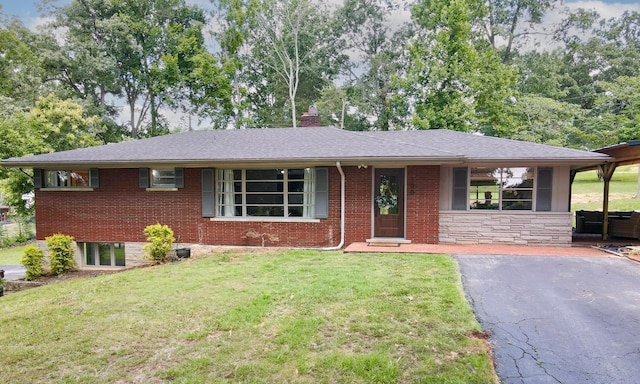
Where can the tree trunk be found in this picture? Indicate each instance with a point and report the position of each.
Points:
(344, 105)
(134, 130)
(154, 117)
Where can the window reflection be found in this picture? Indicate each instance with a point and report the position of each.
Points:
(501, 188)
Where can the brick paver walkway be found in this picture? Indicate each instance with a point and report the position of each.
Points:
(483, 249)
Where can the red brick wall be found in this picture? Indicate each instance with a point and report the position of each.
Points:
(423, 196)
(119, 211)
(359, 192)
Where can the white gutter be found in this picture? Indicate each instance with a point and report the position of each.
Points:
(342, 210)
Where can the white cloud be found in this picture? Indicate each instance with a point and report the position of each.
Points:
(543, 40)
(605, 9)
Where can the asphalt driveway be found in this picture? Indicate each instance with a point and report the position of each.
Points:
(558, 319)
(12, 272)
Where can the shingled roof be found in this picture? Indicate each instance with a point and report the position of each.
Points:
(318, 145)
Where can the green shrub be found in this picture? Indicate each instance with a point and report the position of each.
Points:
(60, 253)
(32, 260)
(160, 238)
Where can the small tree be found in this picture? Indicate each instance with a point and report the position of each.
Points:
(61, 253)
(160, 238)
(32, 260)
(263, 235)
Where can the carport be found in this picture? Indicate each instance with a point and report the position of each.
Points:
(622, 154)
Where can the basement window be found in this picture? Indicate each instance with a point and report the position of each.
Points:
(103, 254)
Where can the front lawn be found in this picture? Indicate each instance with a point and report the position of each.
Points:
(587, 191)
(281, 317)
(12, 256)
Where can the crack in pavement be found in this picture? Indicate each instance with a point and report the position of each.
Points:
(557, 320)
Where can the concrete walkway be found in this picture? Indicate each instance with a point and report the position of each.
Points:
(13, 272)
(482, 249)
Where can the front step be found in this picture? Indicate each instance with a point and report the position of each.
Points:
(387, 241)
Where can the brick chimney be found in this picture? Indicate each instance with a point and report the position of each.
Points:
(310, 118)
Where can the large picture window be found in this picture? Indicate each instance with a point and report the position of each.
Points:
(266, 192)
(501, 188)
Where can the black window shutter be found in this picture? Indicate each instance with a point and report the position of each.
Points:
(179, 172)
(322, 192)
(208, 193)
(459, 201)
(94, 180)
(143, 176)
(37, 178)
(545, 189)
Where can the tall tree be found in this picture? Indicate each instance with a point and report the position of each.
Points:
(506, 23)
(287, 52)
(50, 125)
(454, 80)
(290, 37)
(20, 65)
(148, 51)
(373, 51)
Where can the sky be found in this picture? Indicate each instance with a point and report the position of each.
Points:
(27, 10)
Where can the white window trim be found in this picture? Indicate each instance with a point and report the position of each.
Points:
(96, 256)
(285, 193)
(161, 189)
(68, 189)
(266, 219)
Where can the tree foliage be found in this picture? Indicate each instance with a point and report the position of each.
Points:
(453, 80)
(151, 52)
(288, 54)
(50, 125)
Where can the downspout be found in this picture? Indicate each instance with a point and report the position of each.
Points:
(342, 210)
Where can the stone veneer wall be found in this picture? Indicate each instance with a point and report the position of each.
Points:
(486, 227)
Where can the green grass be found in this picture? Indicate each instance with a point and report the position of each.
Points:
(294, 317)
(587, 191)
(12, 256)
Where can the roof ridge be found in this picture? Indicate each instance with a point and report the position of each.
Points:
(413, 144)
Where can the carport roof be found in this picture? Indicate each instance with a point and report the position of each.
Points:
(624, 153)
